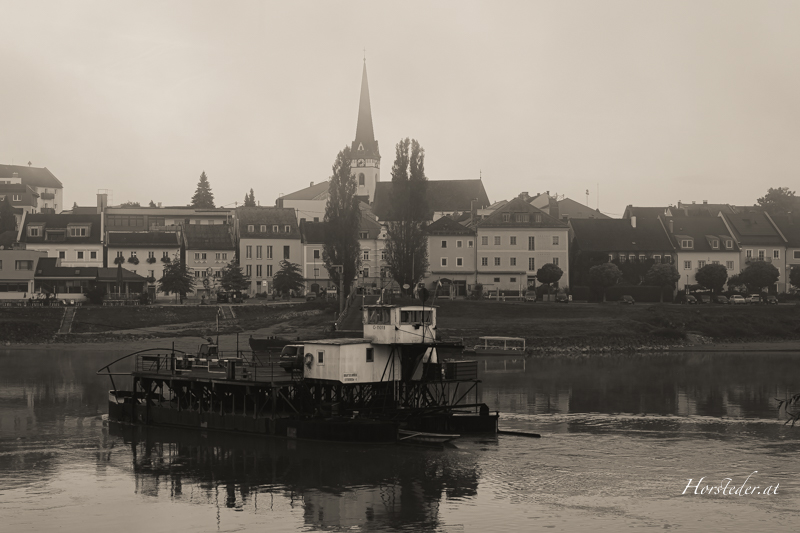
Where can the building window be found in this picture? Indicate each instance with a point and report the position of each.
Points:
(531, 263)
(687, 265)
(641, 258)
(80, 255)
(444, 244)
(225, 256)
(23, 265)
(555, 240)
(269, 271)
(286, 252)
(248, 270)
(701, 264)
(15, 198)
(363, 235)
(370, 355)
(715, 244)
(316, 272)
(320, 357)
(365, 255)
(796, 254)
(316, 254)
(519, 217)
(513, 261)
(287, 229)
(610, 257)
(151, 273)
(776, 254)
(687, 243)
(469, 244)
(497, 280)
(512, 240)
(197, 273)
(92, 255)
(761, 254)
(151, 255)
(444, 261)
(729, 265)
(62, 254)
(458, 244)
(728, 244)
(497, 261)
(506, 217)
(133, 254)
(258, 271)
(656, 259)
(667, 259)
(383, 255)
(459, 261)
(248, 252)
(269, 252)
(484, 261)
(748, 254)
(263, 228)
(217, 257)
(163, 254)
(361, 180)
(531, 243)
(537, 217)
(555, 261)
(197, 256)
(512, 280)
(119, 254)
(484, 241)
(275, 228)
(77, 232)
(250, 228)
(497, 240)
(33, 231)
(258, 251)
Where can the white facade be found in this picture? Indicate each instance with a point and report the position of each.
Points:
(689, 262)
(261, 259)
(349, 361)
(72, 255)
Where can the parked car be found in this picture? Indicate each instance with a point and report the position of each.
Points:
(704, 299)
(627, 299)
(737, 299)
(562, 298)
(222, 297)
(771, 300)
(685, 299)
(720, 299)
(754, 299)
(291, 357)
(310, 296)
(236, 297)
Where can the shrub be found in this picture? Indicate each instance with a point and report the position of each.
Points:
(151, 260)
(166, 259)
(133, 260)
(119, 260)
(96, 295)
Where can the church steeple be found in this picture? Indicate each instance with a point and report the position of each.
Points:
(366, 158)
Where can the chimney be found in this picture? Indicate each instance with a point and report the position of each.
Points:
(693, 202)
(159, 204)
(554, 210)
(705, 202)
(671, 227)
(102, 202)
(633, 221)
(312, 184)
(472, 211)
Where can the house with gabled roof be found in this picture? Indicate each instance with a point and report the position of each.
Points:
(208, 249)
(267, 236)
(444, 198)
(313, 242)
(758, 239)
(515, 241)
(699, 241)
(75, 239)
(48, 189)
(451, 255)
(145, 253)
(788, 224)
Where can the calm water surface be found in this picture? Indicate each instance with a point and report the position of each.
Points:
(622, 435)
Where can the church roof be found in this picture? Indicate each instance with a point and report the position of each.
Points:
(443, 196)
(365, 146)
(318, 191)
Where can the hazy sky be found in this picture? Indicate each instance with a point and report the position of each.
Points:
(654, 101)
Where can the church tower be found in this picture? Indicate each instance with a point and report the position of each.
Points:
(366, 158)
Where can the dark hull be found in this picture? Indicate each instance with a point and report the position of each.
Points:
(268, 344)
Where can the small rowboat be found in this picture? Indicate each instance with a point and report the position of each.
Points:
(422, 437)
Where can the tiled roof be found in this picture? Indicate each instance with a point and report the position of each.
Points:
(318, 191)
(143, 238)
(60, 222)
(443, 196)
(574, 209)
(313, 232)
(789, 224)
(212, 237)
(618, 235)
(36, 177)
(267, 216)
(515, 206)
(644, 212)
(46, 268)
(448, 226)
(8, 188)
(110, 274)
(700, 229)
(753, 227)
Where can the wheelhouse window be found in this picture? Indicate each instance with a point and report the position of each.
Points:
(370, 355)
(415, 317)
(378, 315)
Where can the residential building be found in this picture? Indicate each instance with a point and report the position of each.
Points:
(75, 239)
(267, 236)
(54, 279)
(700, 241)
(163, 218)
(47, 188)
(145, 253)
(595, 241)
(451, 256)
(788, 224)
(313, 241)
(209, 249)
(22, 197)
(17, 267)
(444, 197)
(515, 241)
(758, 239)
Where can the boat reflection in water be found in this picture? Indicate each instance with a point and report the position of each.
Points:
(335, 485)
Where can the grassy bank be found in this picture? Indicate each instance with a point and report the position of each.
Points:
(20, 324)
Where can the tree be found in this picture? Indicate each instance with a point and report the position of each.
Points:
(776, 201)
(406, 242)
(288, 278)
(759, 274)
(604, 276)
(794, 276)
(663, 275)
(203, 197)
(130, 204)
(152, 204)
(548, 274)
(712, 276)
(250, 199)
(736, 284)
(176, 279)
(342, 219)
(8, 222)
(232, 278)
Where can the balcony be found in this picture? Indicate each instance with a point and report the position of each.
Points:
(47, 196)
(754, 259)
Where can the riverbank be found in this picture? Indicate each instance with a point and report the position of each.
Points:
(547, 327)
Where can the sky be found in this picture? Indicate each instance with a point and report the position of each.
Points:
(642, 103)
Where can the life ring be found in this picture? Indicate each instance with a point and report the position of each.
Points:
(309, 360)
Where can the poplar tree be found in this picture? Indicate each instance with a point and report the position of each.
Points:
(203, 197)
(406, 243)
(250, 199)
(342, 220)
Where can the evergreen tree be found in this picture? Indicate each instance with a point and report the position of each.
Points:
(203, 197)
(8, 222)
(233, 279)
(342, 219)
(250, 199)
(406, 243)
(176, 279)
(152, 204)
(288, 278)
(130, 204)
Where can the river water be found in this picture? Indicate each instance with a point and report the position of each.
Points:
(621, 438)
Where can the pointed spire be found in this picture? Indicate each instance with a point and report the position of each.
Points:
(364, 144)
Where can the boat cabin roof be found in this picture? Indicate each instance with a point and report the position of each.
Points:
(491, 338)
(404, 307)
(339, 342)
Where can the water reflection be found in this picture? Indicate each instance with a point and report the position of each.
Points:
(337, 486)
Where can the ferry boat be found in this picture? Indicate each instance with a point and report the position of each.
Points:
(366, 389)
